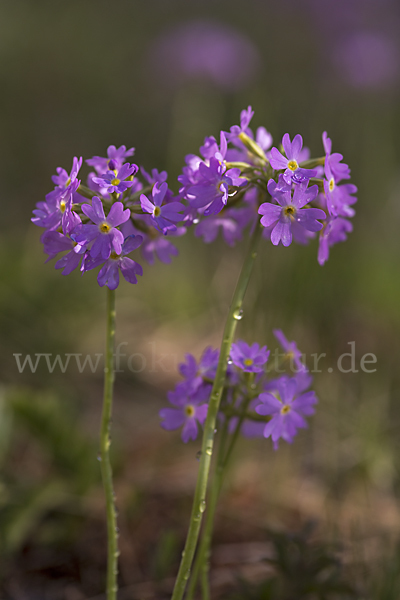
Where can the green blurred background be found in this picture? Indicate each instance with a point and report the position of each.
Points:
(160, 76)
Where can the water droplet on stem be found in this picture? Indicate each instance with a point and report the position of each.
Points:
(238, 314)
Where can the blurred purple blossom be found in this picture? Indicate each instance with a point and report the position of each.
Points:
(203, 49)
(368, 59)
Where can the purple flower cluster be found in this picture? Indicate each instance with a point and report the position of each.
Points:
(225, 189)
(230, 183)
(123, 214)
(267, 407)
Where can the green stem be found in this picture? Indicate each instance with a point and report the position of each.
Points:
(105, 441)
(214, 494)
(199, 501)
(202, 561)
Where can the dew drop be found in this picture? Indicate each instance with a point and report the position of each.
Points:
(215, 430)
(186, 575)
(202, 506)
(230, 361)
(209, 451)
(198, 454)
(238, 314)
(99, 457)
(195, 221)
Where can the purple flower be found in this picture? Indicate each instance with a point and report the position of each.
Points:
(115, 181)
(245, 117)
(56, 210)
(191, 409)
(293, 172)
(160, 247)
(204, 50)
(64, 181)
(239, 152)
(109, 273)
(195, 373)
(249, 358)
(55, 242)
(339, 170)
(338, 197)
(249, 428)
(212, 190)
(369, 59)
(163, 217)
(103, 233)
(116, 155)
(334, 231)
(287, 411)
(155, 176)
(290, 210)
(231, 224)
(292, 351)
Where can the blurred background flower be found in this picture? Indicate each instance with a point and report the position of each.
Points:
(204, 50)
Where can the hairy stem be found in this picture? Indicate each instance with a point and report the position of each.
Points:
(199, 501)
(105, 441)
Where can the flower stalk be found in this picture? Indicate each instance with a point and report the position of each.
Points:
(105, 441)
(202, 562)
(199, 502)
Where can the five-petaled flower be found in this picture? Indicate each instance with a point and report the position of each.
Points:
(291, 162)
(250, 359)
(103, 233)
(109, 273)
(286, 410)
(117, 181)
(290, 210)
(191, 409)
(163, 216)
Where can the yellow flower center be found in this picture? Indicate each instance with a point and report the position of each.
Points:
(104, 227)
(289, 211)
(62, 206)
(248, 362)
(292, 165)
(331, 184)
(115, 181)
(114, 255)
(68, 182)
(156, 211)
(189, 410)
(285, 409)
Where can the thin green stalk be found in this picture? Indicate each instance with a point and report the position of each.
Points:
(199, 502)
(105, 441)
(202, 562)
(214, 494)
